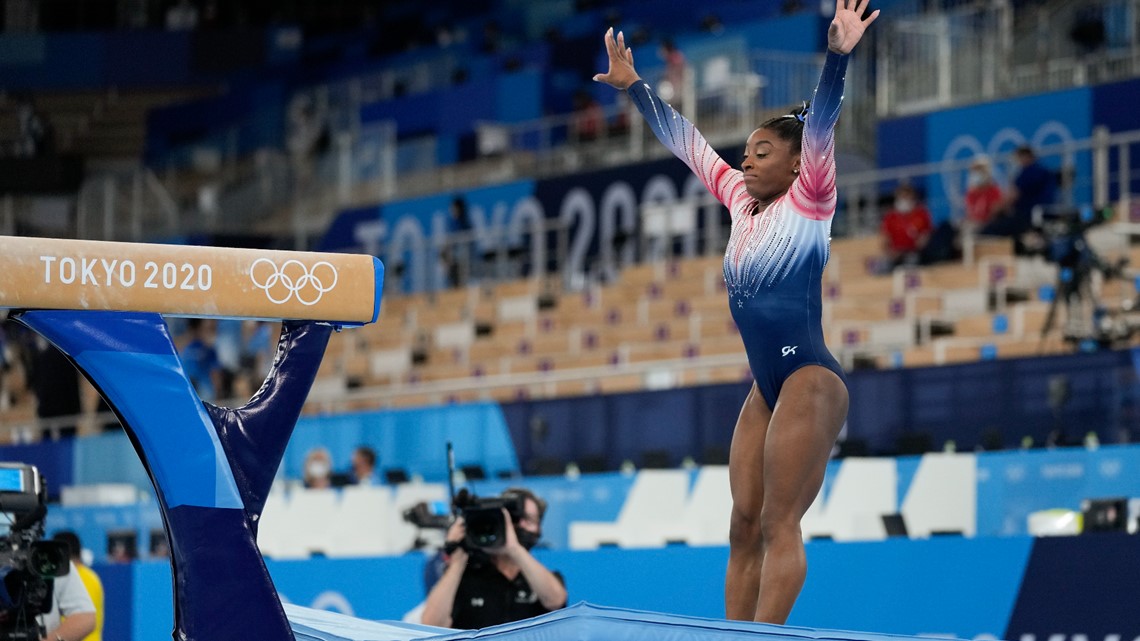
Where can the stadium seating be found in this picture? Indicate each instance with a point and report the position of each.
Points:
(477, 341)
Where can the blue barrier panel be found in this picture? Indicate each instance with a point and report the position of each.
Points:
(996, 129)
(1010, 486)
(167, 56)
(410, 232)
(412, 439)
(963, 403)
(119, 599)
(901, 141)
(518, 96)
(1112, 109)
(803, 32)
(1080, 587)
(594, 205)
(56, 61)
(949, 586)
(961, 587)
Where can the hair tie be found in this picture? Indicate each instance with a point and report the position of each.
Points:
(803, 112)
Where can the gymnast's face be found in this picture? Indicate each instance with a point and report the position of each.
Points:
(770, 166)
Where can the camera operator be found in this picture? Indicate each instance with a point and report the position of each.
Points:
(91, 580)
(488, 586)
(72, 615)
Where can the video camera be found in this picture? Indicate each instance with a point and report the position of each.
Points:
(28, 565)
(1062, 230)
(483, 518)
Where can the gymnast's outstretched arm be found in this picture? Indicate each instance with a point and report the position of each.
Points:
(671, 128)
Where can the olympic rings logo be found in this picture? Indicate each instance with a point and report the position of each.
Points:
(293, 278)
(1000, 146)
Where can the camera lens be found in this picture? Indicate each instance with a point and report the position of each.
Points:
(485, 527)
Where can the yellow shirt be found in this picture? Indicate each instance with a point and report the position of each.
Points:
(95, 589)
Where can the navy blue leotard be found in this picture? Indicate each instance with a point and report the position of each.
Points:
(773, 265)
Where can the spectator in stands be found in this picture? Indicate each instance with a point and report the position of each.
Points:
(983, 195)
(257, 350)
(460, 250)
(200, 359)
(588, 121)
(228, 347)
(1088, 31)
(36, 135)
(317, 469)
(906, 228)
(1034, 185)
(73, 615)
(791, 7)
(781, 203)
(182, 16)
(55, 383)
(485, 587)
(672, 87)
(364, 466)
(90, 579)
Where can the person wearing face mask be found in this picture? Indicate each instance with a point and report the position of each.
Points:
(486, 587)
(983, 196)
(317, 469)
(906, 227)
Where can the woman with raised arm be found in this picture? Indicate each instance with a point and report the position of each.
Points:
(781, 200)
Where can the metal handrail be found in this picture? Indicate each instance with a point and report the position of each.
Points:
(532, 381)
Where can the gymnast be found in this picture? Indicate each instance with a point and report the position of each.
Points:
(781, 200)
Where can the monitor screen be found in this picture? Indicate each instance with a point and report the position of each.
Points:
(11, 479)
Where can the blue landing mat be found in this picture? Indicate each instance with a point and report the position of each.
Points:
(579, 622)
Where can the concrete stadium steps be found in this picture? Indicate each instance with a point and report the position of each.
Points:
(662, 312)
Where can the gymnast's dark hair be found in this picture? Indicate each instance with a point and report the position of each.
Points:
(790, 126)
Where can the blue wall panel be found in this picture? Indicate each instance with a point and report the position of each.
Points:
(803, 32)
(952, 586)
(518, 96)
(1082, 587)
(1010, 486)
(562, 429)
(946, 586)
(55, 61)
(998, 128)
(963, 403)
(994, 129)
(412, 439)
(119, 599)
(654, 422)
(1113, 107)
(901, 141)
(167, 57)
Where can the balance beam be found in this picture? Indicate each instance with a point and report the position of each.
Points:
(181, 280)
